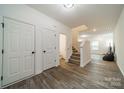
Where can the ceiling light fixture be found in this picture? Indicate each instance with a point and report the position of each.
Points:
(84, 36)
(94, 30)
(68, 5)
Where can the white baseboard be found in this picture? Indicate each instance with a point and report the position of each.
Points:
(17, 81)
(85, 63)
(36, 73)
(120, 68)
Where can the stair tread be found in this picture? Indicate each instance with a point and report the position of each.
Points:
(74, 60)
(76, 53)
(74, 63)
(75, 56)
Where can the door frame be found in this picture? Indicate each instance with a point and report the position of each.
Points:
(3, 48)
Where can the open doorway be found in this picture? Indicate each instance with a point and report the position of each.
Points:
(100, 44)
(62, 46)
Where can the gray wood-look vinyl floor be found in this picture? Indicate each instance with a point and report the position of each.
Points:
(96, 75)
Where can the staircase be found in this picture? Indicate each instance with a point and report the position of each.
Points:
(75, 57)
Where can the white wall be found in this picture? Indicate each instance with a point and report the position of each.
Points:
(75, 39)
(103, 40)
(75, 35)
(119, 42)
(62, 46)
(85, 56)
(32, 16)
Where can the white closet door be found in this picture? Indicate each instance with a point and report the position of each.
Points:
(49, 48)
(27, 49)
(18, 61)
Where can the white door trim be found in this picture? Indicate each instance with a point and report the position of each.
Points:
(1, 47)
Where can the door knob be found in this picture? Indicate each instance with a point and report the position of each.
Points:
(33, 52)
(44, 51)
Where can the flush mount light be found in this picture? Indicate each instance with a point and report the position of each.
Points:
(68, 5)
(84, 35)
(94, 30)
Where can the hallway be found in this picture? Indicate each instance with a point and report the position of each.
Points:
(96, 75)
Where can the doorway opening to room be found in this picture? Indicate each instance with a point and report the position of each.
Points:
(62, 46)
(102, 48)
(101, 45)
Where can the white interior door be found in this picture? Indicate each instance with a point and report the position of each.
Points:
(49, 48)
(18, 60)
(62, 46)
